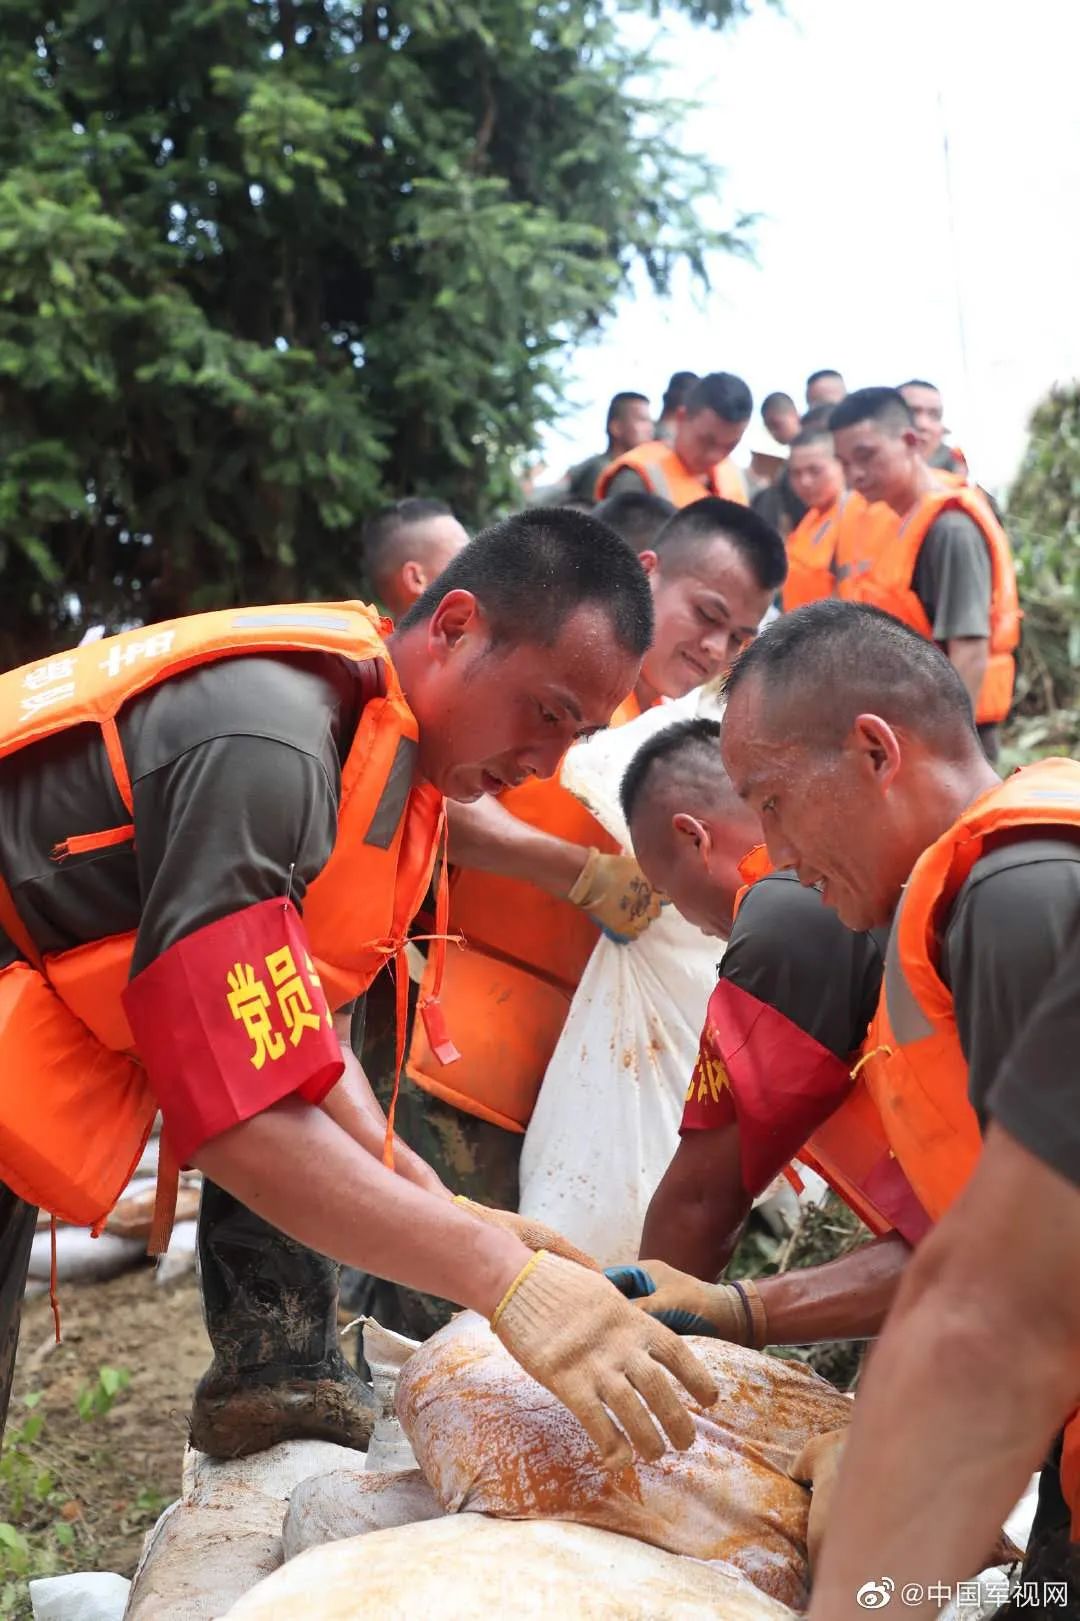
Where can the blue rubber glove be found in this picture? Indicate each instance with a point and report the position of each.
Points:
(637, 1284)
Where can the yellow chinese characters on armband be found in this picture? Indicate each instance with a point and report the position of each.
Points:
(709, 1078)
(269, 1019)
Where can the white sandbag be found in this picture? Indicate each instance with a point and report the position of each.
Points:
(352, 1503)
(386, 1353)
(606, 1122)
(89, 1595)
(81, 1258)
(179, 1258)
(201, 1556)
(273, 1473)
(468, 1567)
(491, 1440)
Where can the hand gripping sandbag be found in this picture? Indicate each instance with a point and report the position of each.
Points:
(489, 1439)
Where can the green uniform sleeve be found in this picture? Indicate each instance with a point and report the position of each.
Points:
(952, 577)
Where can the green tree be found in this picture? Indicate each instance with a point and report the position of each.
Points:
(266, 263)
(1044, 521)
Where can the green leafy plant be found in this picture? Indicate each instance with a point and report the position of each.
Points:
(42, 1534)
(269, 265)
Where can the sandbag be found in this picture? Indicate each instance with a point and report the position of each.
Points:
(89, 1595)
(606, 1122)
(490, 1439)
(351, 1503)
(81, 1258)
(201, 1556)
(468, 1567)
(274, 1472)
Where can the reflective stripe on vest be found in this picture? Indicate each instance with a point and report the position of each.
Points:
(916, 1071)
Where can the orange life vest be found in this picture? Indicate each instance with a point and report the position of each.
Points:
(850, 1149)
(916, 1071)
(822, 540)
(663, 473)
(77, 1106)
(507, 993)
(885, 581)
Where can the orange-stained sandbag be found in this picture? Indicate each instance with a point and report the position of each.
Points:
(491, 1440)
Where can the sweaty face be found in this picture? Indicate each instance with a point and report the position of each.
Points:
(878, 464)
(704, 439)
(925, 406)
(821, 812)
(815, 475)
(707, 605)
(492, 716)
(632, 427)
(699, 873)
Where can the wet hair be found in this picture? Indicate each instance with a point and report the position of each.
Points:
(885, 406)
(530, 572)
(813, 436)
(755, 540)
(619, 401)
(682, 763)
(723, 393)
(777, 402)
(835, 660)
(636, 515)
(385, 536)
(820, 376)
(679, 385)
(818, 416)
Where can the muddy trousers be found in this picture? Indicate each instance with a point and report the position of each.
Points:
(1050, 1576)
(17, 1219)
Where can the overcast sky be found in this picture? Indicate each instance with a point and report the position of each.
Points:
(875, 254)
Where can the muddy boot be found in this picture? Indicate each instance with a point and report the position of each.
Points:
(271, 1313)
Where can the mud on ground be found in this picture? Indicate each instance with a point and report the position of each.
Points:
(112, 1473)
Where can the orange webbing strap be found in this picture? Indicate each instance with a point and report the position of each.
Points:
(54, 1298)
(401, 1019)
(111, 736)
(430, 1008)
(79, 843)
(168, 1185)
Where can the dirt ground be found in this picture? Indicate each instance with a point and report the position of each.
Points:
(114, 1472)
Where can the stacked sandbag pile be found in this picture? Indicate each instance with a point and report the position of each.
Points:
(491, 1440)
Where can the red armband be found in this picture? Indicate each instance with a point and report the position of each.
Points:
(230, 1020)
(758, 1068)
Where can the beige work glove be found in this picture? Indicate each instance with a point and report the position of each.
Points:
(536, 1234)
(617, 895)
(728, 1311)
(817, 1466)
(605, 1361)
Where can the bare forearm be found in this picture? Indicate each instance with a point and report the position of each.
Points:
(979, 1429)
(353, 1106)
(969, 656)
(300, 1170)
(846, 1299)
(488, 838)
(695, 1229)
(979, 1360)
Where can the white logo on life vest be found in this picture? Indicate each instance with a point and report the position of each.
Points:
(153, 647)
(49, 683)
